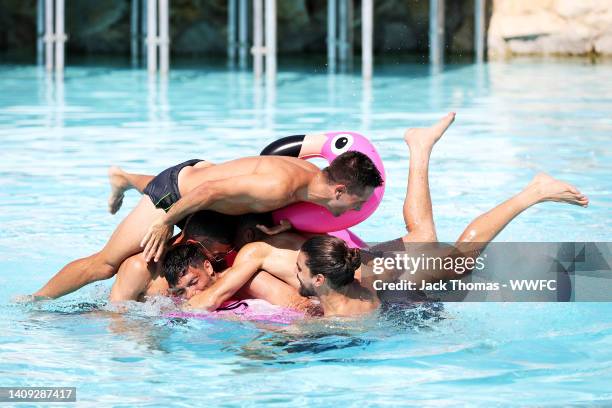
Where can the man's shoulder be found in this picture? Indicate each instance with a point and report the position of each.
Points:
(255, 249)
(285, 240)
(290, 164)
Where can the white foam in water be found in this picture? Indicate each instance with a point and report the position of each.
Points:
(154, 306)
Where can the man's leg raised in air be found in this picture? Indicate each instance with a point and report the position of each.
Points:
(124, 242)
(418, 213)
(542, 188)
(485, 228)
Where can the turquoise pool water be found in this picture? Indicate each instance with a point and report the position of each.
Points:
(58, 138)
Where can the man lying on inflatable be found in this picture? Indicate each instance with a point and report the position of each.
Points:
(196, 258)
(257, 184)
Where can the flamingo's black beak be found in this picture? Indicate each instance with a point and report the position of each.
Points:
(285, 146)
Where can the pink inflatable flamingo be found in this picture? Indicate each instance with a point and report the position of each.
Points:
(314, 218)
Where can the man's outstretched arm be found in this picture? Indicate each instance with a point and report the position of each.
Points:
(248, 262)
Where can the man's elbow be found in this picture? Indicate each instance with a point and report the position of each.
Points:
(210, 305)
(252, 252)
(206, 303)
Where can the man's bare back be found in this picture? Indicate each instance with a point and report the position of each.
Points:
(191, 177)
(272, 181)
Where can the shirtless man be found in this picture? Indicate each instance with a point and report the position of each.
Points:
(248, 185)
(341, 295)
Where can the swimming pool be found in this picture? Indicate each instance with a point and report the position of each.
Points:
(58, 138)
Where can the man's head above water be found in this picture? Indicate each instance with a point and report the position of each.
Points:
(326, 264)
(190, 265)
(187, 270)
(353, 176)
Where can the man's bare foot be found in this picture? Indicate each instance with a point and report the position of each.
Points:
(548, 188)
(425, 138)
(119, 185)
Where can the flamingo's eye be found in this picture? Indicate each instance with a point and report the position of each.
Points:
(341, 143)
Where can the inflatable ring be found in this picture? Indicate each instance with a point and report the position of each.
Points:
(310, 217)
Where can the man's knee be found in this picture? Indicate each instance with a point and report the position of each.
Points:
(101, 268)
(134, 263)
(467, 236)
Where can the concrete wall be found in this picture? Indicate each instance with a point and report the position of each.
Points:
(550, 27)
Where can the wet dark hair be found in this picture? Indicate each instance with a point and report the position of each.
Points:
(213, 225)
(332, 258)
(355, 170)
(178, 259)
(247, 223)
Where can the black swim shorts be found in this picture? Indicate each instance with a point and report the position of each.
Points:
(163, 190)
